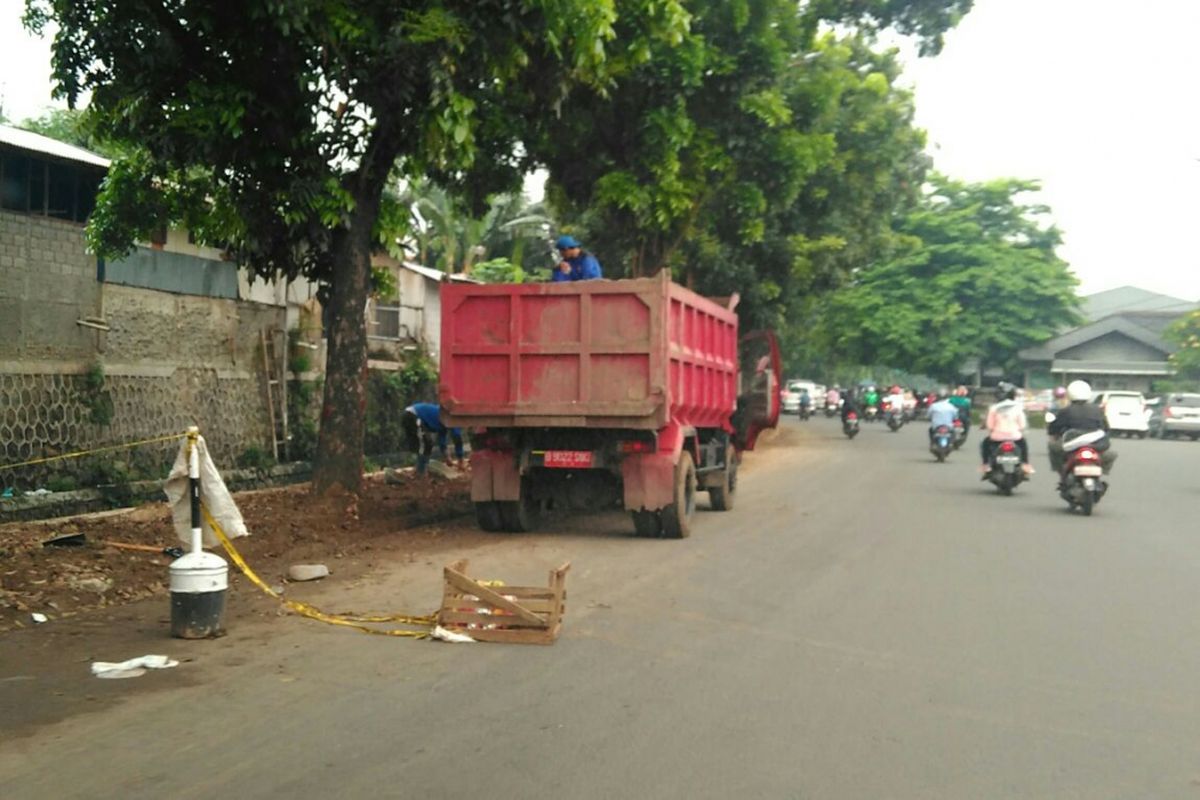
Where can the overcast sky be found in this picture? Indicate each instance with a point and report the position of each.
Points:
(1097, 99)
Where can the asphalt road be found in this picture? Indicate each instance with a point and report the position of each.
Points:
(865, 624)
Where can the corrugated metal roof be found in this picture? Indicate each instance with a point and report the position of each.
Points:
(1131, 299)
(44, 145)
(436, 274)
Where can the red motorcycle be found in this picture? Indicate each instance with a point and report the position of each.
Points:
(850, 425)
(1082, 481)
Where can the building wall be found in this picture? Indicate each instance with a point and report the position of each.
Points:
(47, 283)
(413, 318)
(1102, 382)
(168, 360)
(1115, 347)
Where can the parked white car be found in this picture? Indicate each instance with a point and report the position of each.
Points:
(791, 395)
(1126, 413)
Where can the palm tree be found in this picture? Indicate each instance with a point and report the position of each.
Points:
(446, 238)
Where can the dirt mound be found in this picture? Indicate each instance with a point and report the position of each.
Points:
(287, 525)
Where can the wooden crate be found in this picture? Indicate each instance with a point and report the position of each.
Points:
(515, 614)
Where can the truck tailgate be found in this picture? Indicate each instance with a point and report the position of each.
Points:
(611, 354)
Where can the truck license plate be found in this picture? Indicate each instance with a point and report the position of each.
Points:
(567, 459)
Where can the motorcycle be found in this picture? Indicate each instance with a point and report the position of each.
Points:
(850, 425)
(895, 420)
(871, 413)
(831, 409)
(942, 442)
(960, 434)
(805, 412)
(1082, 481)
(1004, 468)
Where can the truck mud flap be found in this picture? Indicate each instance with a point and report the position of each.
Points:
(494, 476)
(649, 481)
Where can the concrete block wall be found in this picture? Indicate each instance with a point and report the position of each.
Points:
(169, 360)
(47, 282)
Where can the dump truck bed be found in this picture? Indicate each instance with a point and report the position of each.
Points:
(601, 354)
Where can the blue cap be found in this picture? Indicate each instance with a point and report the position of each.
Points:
(567, 242)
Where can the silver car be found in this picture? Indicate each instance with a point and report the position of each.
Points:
(1176, 415)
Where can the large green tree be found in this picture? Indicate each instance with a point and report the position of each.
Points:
(973, 275)
(277, 127)
(747, 156)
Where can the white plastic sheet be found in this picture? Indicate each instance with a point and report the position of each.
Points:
(441, 634)
(213, 493)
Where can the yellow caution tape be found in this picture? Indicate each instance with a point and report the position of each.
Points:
(312, 612)
(82, 453)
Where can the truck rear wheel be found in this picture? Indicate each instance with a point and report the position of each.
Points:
(677, 517)
(647, 524)
(521, 516)
(722, 496)
(487, 514)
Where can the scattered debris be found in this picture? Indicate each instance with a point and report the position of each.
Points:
(289, 524)
(39, 618)
(131, 668)
(66, 540)
(397, 477)
(307, 572)
(91, 583)
(440, 469)
(173, 552)
(444, 635)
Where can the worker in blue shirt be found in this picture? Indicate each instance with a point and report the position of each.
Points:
(422, 423)
(577, 264)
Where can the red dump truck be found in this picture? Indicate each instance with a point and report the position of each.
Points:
(591, 394)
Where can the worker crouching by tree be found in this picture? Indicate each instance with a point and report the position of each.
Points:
(422, 425)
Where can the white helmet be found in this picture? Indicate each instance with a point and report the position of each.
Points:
(1079, 391)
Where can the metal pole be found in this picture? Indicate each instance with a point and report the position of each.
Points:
(193, 435)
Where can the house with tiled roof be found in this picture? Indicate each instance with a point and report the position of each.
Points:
(1120, 345)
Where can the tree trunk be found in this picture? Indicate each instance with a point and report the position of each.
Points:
(339, 455)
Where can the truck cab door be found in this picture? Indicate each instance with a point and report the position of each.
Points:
(760, 380)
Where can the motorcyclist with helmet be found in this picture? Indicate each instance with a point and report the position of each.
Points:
(850, 404)
(894, 402)
(833, 397)
(871, 397)
(1006, 422)
(941, 413)
(961, 399)
(1081, 416)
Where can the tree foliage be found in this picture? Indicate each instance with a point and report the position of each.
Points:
(974, 275)
(440, 231)
(1185, 335)
(277, 128)
(757, 155)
